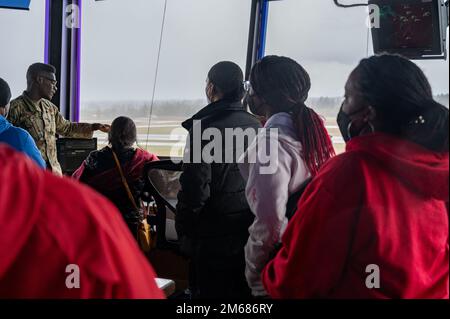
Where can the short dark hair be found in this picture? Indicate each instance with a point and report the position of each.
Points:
(5, 93)
(229, 79)
(123, 133)
(401, 94)
(37, 68)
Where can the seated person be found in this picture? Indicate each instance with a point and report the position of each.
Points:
(374, 221)
(58, 243)
(16, 137)
(100, 170)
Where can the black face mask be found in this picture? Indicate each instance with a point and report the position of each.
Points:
(344, 121)
(255, 109)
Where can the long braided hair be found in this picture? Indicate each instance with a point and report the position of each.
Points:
(402, 97)
(284, 85)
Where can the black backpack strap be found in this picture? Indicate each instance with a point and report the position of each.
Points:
(291, 206)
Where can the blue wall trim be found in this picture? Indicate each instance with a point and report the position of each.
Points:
(15, 4)
(262, 37)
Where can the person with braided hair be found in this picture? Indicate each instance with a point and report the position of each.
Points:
(374, 221)
(278, 90)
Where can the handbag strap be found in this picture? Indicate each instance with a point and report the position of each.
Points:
(124, 181)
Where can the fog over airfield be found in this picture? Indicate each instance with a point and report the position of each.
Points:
(121, 38)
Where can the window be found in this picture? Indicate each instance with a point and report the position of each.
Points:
(120, 41)
(22, 35)
(329, 42)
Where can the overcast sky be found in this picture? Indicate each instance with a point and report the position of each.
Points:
(120, 42)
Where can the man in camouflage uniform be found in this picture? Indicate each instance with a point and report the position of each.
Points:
(34, 112)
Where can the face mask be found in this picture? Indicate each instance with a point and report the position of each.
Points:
(255, 109)
(208, 92)
(344, 122)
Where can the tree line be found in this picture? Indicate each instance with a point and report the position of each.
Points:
(327, 106)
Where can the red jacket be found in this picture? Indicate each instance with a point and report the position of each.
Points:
(48, 223)
(100, 172)
(383, 202)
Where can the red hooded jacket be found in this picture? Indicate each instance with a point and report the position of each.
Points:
(48, 223)
(384, 202)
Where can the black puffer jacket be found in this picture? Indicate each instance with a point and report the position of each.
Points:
(211, 204)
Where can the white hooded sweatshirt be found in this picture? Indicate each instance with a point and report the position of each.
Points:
(270, 181)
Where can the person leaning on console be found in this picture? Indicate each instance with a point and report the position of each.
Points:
(34, 112)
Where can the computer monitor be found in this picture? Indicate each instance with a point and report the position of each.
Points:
(416, 29)
(72, 152)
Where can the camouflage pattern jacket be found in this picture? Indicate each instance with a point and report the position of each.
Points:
(43, 121)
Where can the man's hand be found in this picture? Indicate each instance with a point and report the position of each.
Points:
(105, 128)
